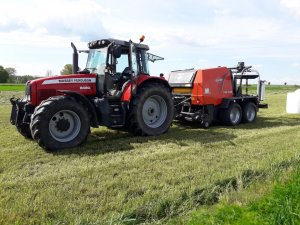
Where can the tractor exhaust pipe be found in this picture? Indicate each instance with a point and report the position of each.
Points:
(75, 67)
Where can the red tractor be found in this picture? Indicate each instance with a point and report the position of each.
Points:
(208, 95)
(114, 90)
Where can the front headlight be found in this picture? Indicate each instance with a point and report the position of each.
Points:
(28, 91)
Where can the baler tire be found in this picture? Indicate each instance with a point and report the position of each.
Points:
(205, 124)
(24, 130)
(233, 115)
(249, 112)
(60, 122)
(151, 111)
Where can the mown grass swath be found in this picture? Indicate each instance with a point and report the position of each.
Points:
(280, 206)
(117, 178)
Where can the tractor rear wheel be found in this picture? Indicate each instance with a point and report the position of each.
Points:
(151, 110)
(249, 112)
(60, 122)
(233, 115)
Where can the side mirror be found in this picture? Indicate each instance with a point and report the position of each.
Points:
(117, 51)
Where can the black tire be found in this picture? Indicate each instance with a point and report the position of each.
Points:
(205, 124)
(151, 111)
(249, 112)
(24, 129)
(232, 116)
(60, 122)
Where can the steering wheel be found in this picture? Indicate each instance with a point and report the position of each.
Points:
(126, 72)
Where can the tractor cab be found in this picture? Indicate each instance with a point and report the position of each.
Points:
(115, 63)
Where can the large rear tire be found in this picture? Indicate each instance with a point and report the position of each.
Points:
(249, 112)
(232, 116)
(60, 122)
(151, 110)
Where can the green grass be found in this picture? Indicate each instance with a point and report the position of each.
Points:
(12, 87)
(274, 89)
(280, 206)
(117, 178)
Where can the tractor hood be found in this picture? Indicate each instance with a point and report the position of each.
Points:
(43, 88)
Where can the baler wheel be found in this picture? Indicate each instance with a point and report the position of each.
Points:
(151, 110)
(233, 115)
(205, 124)
(249, 112)
(60, 122)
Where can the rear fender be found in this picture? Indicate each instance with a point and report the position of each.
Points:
(132, 87)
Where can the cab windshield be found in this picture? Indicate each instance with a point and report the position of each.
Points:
(96, 61)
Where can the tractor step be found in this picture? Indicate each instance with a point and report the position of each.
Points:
(117, 114)
(187, 113)
(112, 112)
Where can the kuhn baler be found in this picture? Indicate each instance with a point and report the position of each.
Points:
(216, 94)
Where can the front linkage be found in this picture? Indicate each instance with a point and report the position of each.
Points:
(20, 116)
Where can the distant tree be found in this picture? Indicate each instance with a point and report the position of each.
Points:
(3, 75)
(66, 70)
(11, 71)
(24, 79)
(12, 74)
(269, 83)
(285, 83)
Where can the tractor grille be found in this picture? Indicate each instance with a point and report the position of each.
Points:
(27, 88)
(28, 91)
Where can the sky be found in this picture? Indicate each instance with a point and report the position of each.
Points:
(35, 35)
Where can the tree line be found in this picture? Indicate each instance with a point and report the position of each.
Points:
(9, 75)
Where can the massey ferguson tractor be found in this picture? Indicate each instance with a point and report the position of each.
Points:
(207, 95)
(114, 90)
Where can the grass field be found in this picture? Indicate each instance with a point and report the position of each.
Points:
(12, 87)
(281, 205)
(116, 178)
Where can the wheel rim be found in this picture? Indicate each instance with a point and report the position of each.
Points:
(235, 115)
(64, 125)
(250, 114)
(154, 111)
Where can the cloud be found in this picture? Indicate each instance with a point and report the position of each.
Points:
(293, 6)
(257, 66)
(80, 18)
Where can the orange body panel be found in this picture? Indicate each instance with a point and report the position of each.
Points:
(211, 86)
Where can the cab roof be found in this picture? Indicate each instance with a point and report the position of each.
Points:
(105, 42)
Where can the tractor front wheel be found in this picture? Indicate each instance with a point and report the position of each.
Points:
(151, 110)
(60, 122)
